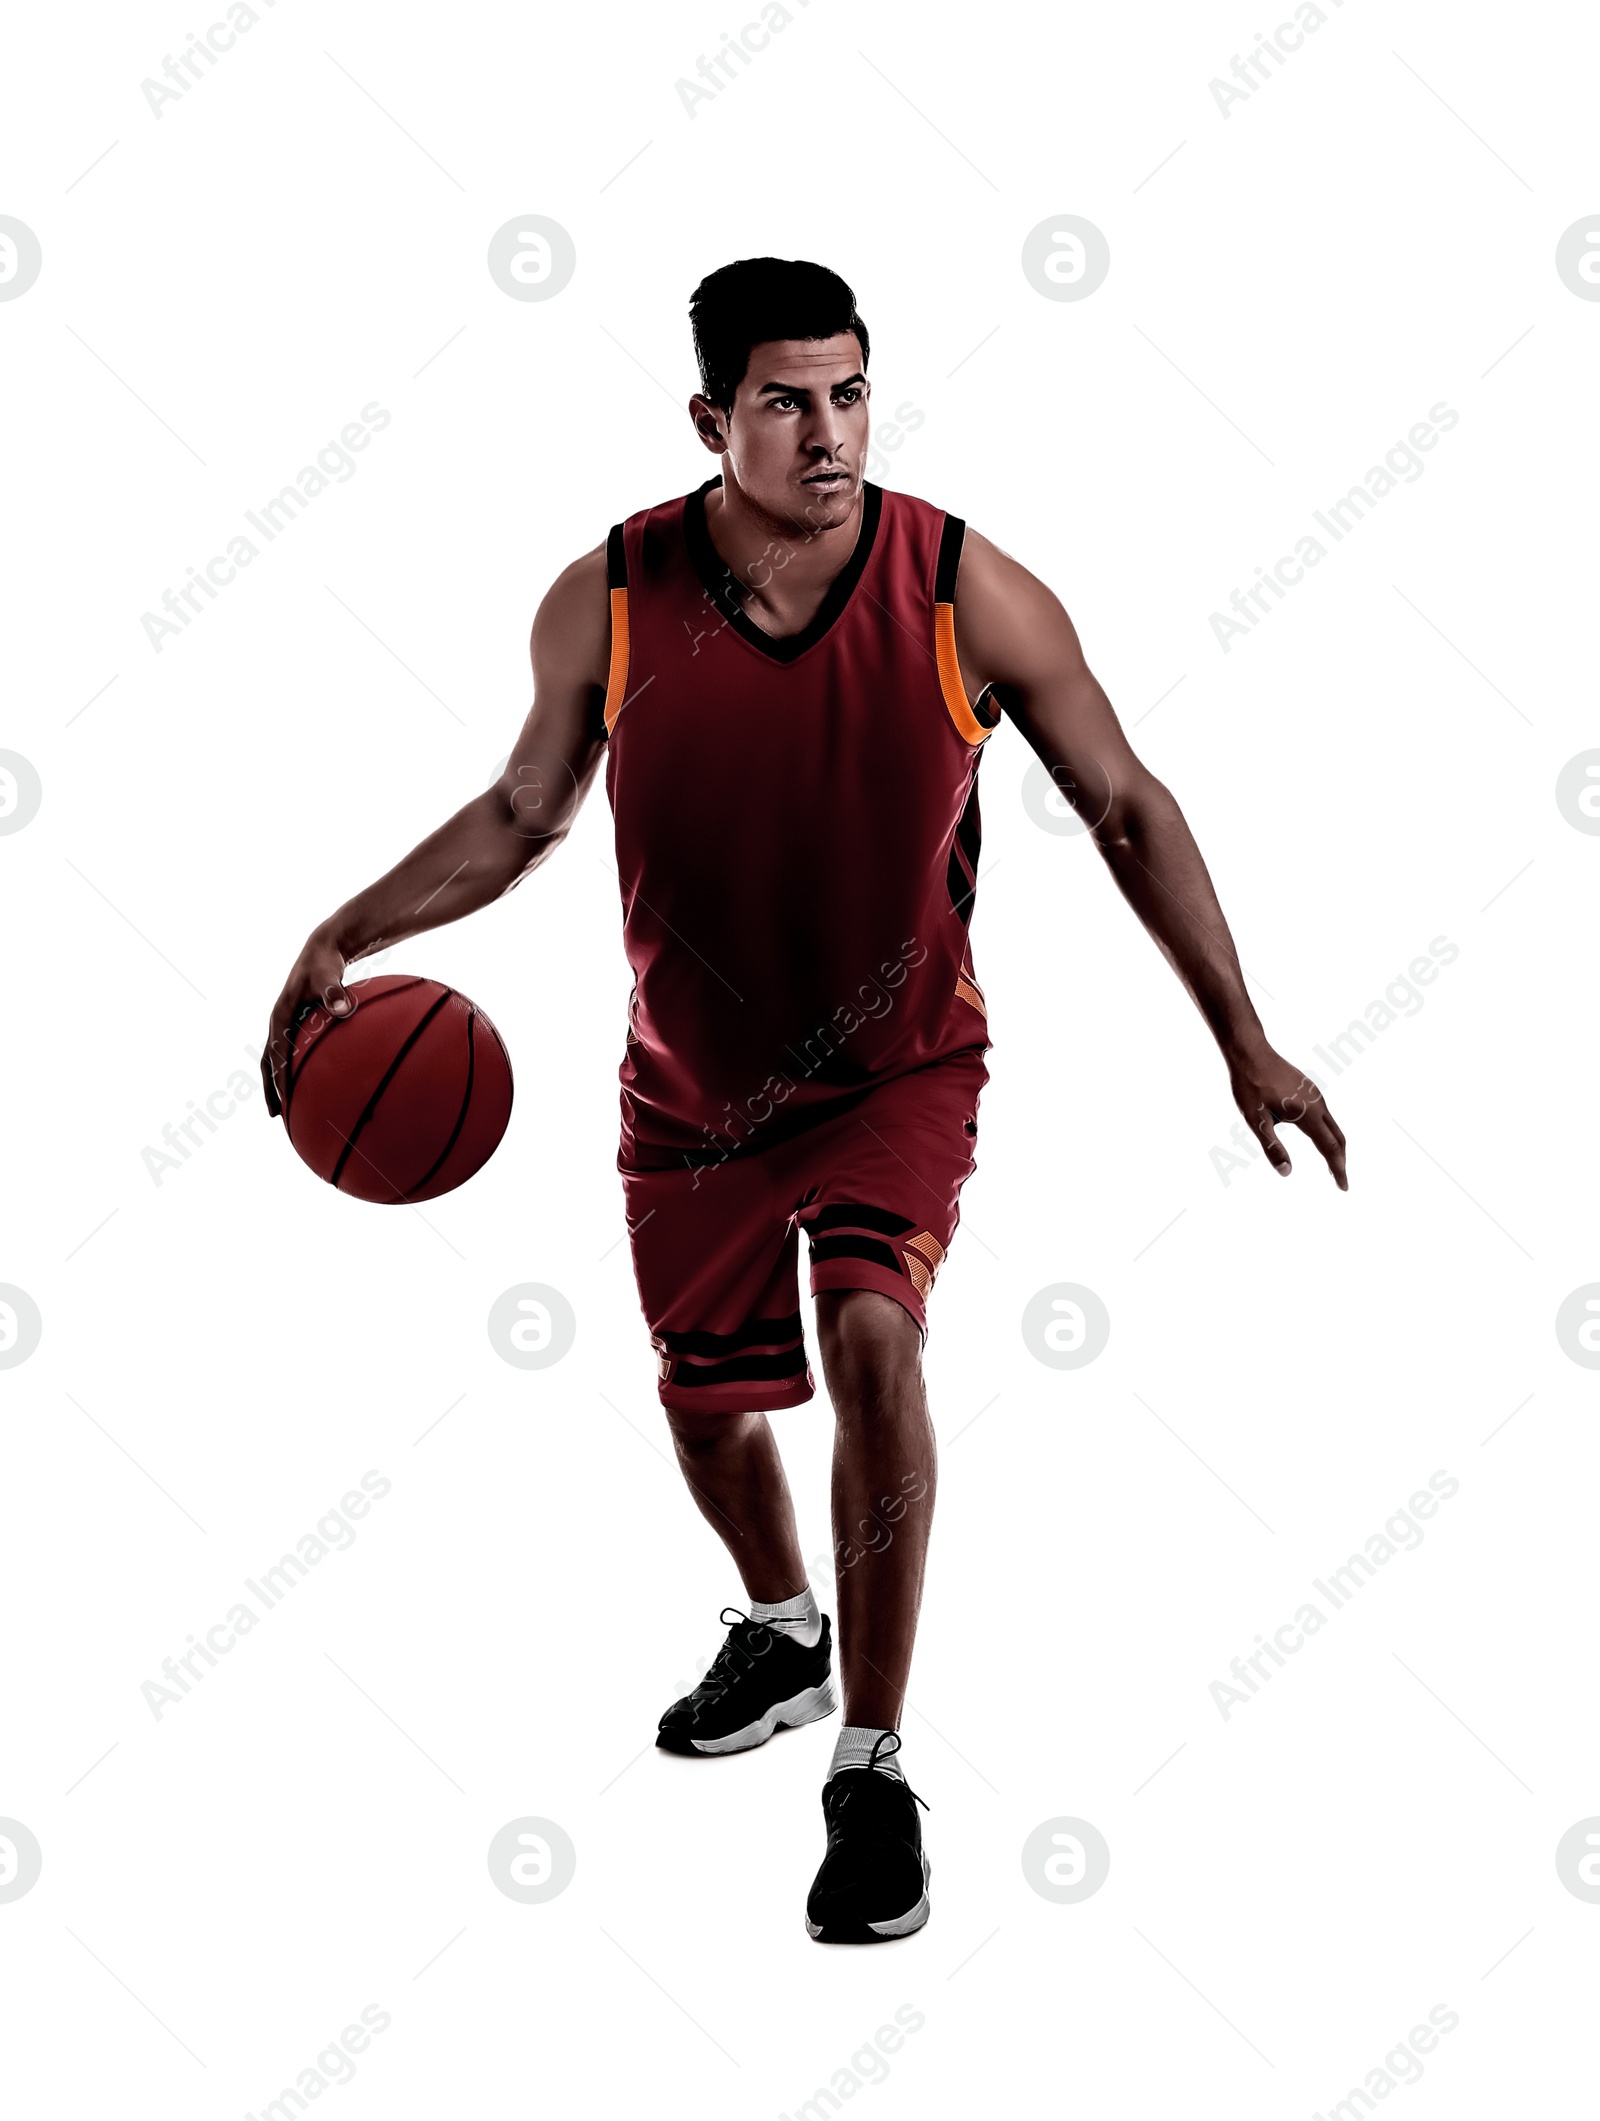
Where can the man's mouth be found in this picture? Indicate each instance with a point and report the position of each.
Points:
(826, 478)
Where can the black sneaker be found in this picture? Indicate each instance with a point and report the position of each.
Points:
(758, 1679)
(873, 1882)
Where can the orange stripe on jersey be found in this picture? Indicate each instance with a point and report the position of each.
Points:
(617, 676)
(967, 991)
(955, 693)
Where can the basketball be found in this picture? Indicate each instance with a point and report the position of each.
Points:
(404, 1098)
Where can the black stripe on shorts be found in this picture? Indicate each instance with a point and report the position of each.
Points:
(740, 1369)
(856, 1215)
(848, 1247)
(756, 1332)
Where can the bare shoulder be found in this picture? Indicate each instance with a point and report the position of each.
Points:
(572, 626)
(989, 574)
(1009, 624)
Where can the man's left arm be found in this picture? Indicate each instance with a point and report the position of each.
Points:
(1012, 633)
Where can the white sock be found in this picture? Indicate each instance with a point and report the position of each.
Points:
(853, 1749)
(800, 1617)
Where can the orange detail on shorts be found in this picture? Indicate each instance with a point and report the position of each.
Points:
(925, 1242)
(955, 693)
(617, 675)
(921, 1279)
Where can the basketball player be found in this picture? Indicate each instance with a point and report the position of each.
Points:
(790, 676)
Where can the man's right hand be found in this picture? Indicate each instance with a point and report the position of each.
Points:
(317, 981)
(493, 841)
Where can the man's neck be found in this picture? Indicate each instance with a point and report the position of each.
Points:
(781, 565)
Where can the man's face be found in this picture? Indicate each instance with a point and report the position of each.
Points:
(796, 440)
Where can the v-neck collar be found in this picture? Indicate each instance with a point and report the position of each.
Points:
(716, 575)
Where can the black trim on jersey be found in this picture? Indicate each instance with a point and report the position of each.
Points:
(961, 889)
(968, 833)
(986, 708)
(856, 1248)
(616, 578)
(856, 1215)
(944, 575)
(717, 576)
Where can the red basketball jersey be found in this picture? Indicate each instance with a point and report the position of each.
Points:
(796, 828)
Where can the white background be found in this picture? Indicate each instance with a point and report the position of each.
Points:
(1292, 1887)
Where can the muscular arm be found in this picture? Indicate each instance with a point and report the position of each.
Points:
(1012, 632)
(494, 841)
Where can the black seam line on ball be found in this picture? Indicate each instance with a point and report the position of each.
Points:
(461, 1117)
(293, 1074)
(389, 1075)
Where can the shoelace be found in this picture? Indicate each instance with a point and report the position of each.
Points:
(878, 1745)
(730, 1659)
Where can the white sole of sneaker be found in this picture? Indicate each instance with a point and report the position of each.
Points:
(808, 1706)
(897, 1925)
(913, 1919)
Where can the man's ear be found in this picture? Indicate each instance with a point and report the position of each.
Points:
(710, 424)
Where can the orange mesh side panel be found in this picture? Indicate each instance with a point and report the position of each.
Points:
(617, 675)
(955, 693)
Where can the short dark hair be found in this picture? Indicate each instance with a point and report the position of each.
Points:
(740, 305)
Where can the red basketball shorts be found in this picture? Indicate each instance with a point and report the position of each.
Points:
(716, 1250)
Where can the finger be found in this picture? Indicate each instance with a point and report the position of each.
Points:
(337, 999)
(286, 1028)
(274, 1061)
(269, 1088)
(1327, 1138)
(1276, 1154)
(283, 1046)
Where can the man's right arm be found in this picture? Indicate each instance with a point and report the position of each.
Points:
(494, 841)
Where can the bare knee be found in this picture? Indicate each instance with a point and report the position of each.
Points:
(870, 1344)
(699, 1436)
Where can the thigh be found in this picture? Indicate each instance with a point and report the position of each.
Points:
(880, 1187)
(715, 1256)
